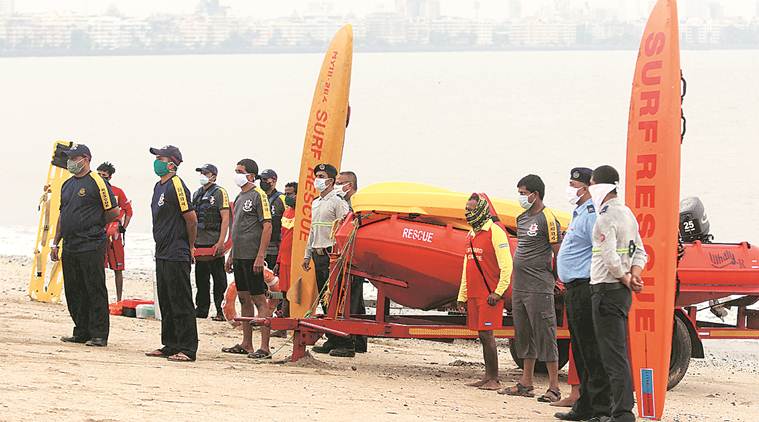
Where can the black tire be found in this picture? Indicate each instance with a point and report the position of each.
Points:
(540, 367)
(679, 359)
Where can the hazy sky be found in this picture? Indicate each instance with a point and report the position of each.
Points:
(264, 9)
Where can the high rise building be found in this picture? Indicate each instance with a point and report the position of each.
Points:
(6, 7)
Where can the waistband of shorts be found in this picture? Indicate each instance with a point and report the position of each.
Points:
(577, 282)
(606, 287)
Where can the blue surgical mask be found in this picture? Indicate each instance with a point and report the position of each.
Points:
(320, 184)
(524, 201)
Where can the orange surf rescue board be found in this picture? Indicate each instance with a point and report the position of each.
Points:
(653, 192)
(325, 135)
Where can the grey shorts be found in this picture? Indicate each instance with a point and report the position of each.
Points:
(534, 326)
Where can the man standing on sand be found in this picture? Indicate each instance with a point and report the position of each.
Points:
(484, 280)
(174, 230)
(326, 209)
(114, 256)
(211, 204)
(87, 206)
(538, 232)
(573, 264)
(616, 266)
(251, 231)
(346, 185)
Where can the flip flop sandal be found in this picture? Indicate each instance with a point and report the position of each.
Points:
(518, 390)
(157, 353)
(218, 318)
(260, 354)
(180, 357)
(550, 396)
(235, 350)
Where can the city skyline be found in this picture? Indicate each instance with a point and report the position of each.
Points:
(471, 9)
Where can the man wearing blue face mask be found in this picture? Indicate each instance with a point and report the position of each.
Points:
(326, 209)
(539, 235)
(174, 229)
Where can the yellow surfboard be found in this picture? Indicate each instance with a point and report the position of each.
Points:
(47, 277)
(325, 134)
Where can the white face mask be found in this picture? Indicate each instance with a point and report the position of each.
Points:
(241, 180)
(524, 201)
(339, 190)
(320, 184)
(203, 179)
(599, 191)
(572, 196)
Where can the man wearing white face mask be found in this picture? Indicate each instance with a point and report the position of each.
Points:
(251, 232)
(539, 235)
(326, 209)
(591, 399)
(212, 206)
(618, 260)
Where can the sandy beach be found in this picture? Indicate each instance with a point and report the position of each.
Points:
(42, 378)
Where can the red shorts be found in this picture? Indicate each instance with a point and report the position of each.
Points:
(284, 277)
(114, 255)
(482, 317)
(572, 377)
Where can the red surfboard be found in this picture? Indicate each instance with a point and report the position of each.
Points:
(653, 192)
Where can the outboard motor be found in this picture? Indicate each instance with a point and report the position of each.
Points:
(694, 224)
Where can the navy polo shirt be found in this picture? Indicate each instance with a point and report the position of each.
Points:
(84, 201)
(170, 201)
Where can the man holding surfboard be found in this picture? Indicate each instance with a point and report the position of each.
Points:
(618, 260)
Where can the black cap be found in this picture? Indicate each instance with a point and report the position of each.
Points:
(581, 174)
(328, 168)
(209, 168)
(168, 151)
(268, 174)
(78, 150)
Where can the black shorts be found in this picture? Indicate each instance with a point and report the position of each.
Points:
(247, 280)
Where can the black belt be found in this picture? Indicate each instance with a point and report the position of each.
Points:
(577, 282)
(606, 287)
(323, 251)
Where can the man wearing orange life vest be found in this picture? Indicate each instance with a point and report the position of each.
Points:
(484, 280)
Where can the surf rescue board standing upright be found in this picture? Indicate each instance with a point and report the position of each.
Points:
(653, 192)
(325, 134)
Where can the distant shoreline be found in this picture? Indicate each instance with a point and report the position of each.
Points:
(320, 50)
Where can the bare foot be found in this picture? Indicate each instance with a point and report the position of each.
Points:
(479, 383)
(565, 402)
(491, 385)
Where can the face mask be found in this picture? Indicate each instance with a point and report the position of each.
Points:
(203, 179)
(339, 190)
(265, 186)
(320, 184)
(74, 167)
(572, 196)
(290, 201)
(241, 180)
(161, 168)
(524, 201)
(598, 192)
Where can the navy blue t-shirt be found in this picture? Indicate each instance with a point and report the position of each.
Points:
(84, 201)
(170, 201)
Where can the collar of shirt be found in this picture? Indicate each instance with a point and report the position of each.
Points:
(613, 202)
(582, 208)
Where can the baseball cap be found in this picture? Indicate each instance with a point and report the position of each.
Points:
(78, 150)
(209, 168)
(268, 174)
(168, 151)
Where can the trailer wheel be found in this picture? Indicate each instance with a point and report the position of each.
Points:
(540, 367)
(679, 359)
